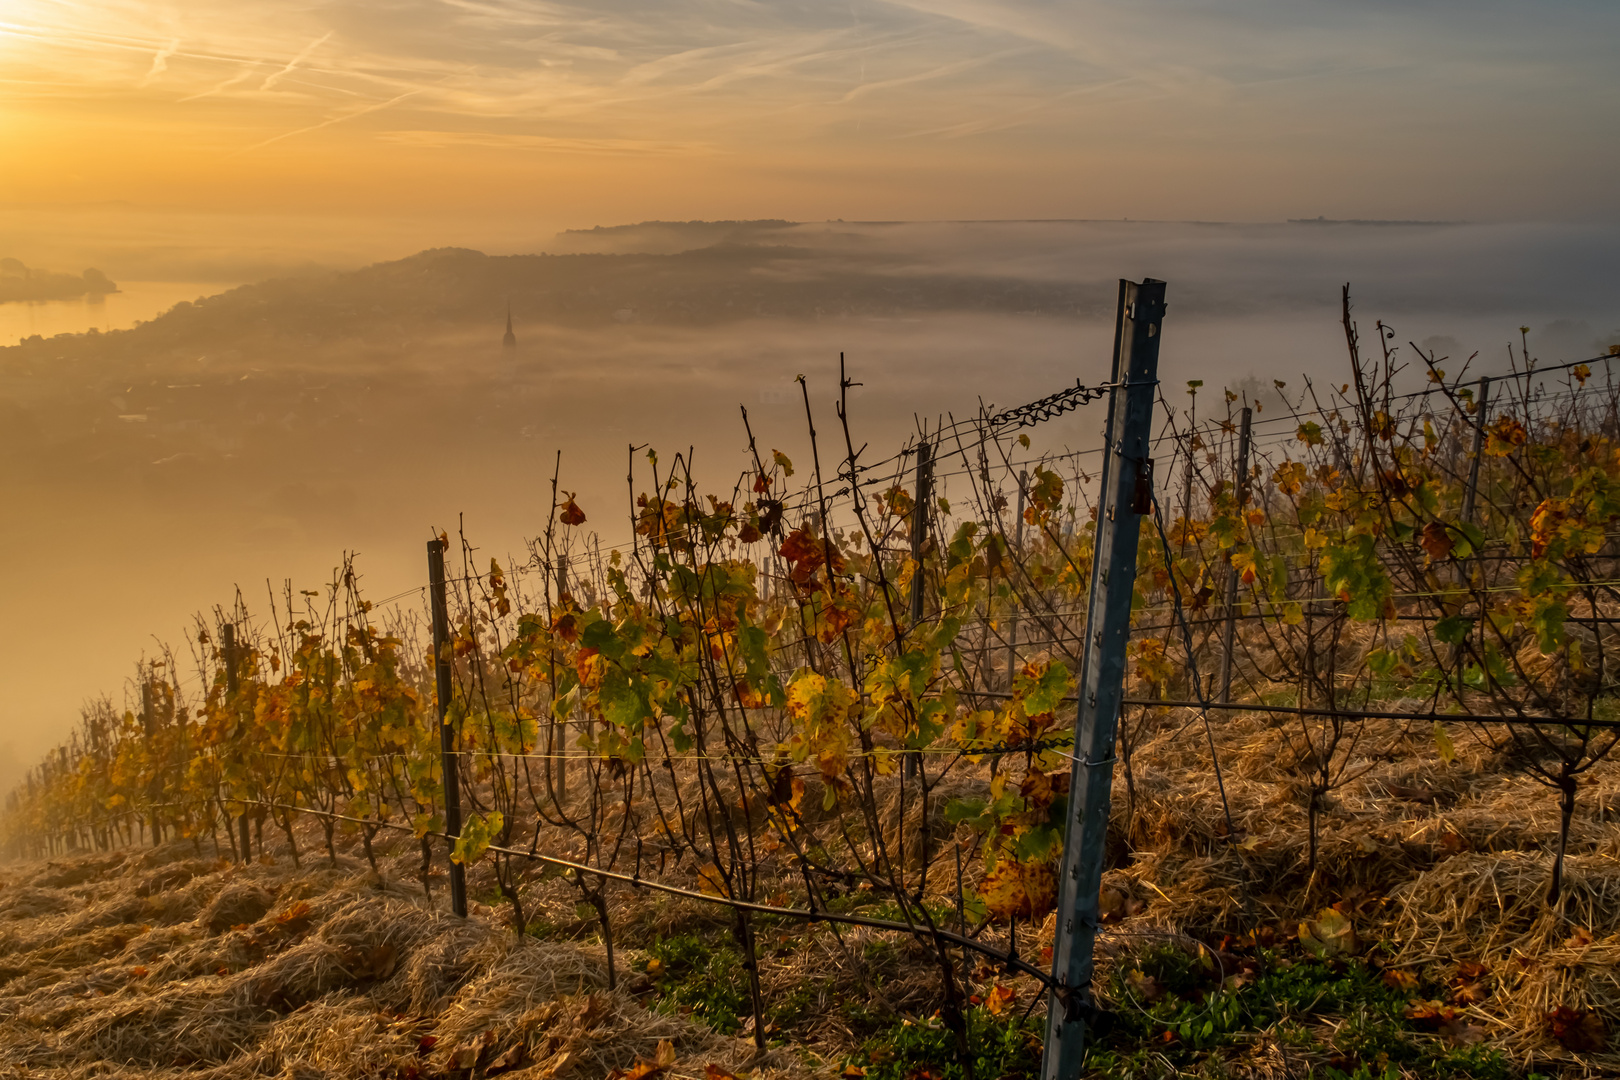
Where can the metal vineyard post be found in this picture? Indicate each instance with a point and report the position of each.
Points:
(1126, 494)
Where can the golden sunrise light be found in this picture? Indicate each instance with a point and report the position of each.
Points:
(775, 540)
(950, 108)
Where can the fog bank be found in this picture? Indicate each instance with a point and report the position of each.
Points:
(261, 433)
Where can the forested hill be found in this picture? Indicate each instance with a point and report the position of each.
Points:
(454, 287)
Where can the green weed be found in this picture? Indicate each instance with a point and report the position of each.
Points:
(1007, 1047)
(1179, 1008)
(699, 977)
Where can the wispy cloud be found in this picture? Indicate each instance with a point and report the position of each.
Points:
(1241, 85)
(488, 140)
(1001, 120)
(160, 61)
(944, 71)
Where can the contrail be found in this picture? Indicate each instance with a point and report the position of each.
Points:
(160, 61)
(303, 55)
(242, 77)
(329, 123)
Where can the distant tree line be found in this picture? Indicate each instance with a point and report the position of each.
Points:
(18, 282)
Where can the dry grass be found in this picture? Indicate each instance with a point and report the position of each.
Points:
(165, 963)
(272, 971)
(1446, 863)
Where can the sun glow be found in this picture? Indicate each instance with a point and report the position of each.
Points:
(907, 109)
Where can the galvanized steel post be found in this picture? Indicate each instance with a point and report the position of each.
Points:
(1126, 494)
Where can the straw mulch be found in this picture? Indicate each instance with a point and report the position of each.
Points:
(164, 964)
(1443, 866)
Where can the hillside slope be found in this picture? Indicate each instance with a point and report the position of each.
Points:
(161, 963)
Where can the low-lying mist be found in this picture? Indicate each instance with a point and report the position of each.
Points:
(258, 435)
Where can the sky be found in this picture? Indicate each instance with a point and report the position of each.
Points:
(614, 110)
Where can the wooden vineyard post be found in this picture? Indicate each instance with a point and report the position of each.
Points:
(1229, 632)
(559, 728)
(154, 785)
(1186, 490)
(919, 530)
(1126, 494)
(232, 685)
(1482, 407)
(1018, 547)
(447, 734)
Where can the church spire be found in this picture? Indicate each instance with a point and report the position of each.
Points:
(510, 340)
